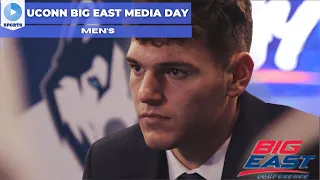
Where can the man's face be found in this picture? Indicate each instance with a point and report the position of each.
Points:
(177, 91)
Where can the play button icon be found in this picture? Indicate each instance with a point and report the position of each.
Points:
(12, 12)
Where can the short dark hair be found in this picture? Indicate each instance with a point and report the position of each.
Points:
(224, 25)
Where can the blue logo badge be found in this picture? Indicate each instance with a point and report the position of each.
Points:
(12, 12)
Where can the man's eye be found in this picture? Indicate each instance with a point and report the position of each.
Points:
(137, 69)
(176, 73)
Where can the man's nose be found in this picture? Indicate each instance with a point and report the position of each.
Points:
(150, 91)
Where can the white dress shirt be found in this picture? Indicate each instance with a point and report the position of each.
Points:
(210, 170)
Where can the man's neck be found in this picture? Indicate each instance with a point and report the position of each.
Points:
(198, 149)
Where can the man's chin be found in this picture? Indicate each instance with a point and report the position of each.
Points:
(158, 141)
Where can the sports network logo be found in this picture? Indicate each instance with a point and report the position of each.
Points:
(12, 14)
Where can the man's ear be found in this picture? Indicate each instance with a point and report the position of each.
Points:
(241, 72)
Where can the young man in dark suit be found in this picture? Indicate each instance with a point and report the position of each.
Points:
(196, 120)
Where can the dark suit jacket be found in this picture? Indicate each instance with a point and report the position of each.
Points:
(124, 155)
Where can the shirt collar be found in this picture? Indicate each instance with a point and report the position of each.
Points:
(212, 169)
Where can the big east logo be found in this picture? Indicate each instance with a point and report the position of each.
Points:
(289, 166)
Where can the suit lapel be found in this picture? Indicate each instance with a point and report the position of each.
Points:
(252, 118)
(146, 163)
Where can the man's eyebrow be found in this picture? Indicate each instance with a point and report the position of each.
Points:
(166, 64)
(176, 64)
(131, 60)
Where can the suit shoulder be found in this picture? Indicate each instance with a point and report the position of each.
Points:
(277, 110)
(290, 123)
(297, 124)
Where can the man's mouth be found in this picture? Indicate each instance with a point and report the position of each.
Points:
(152, 118)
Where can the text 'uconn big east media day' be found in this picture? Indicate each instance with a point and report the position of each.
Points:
(106, 13)
(105, 20)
